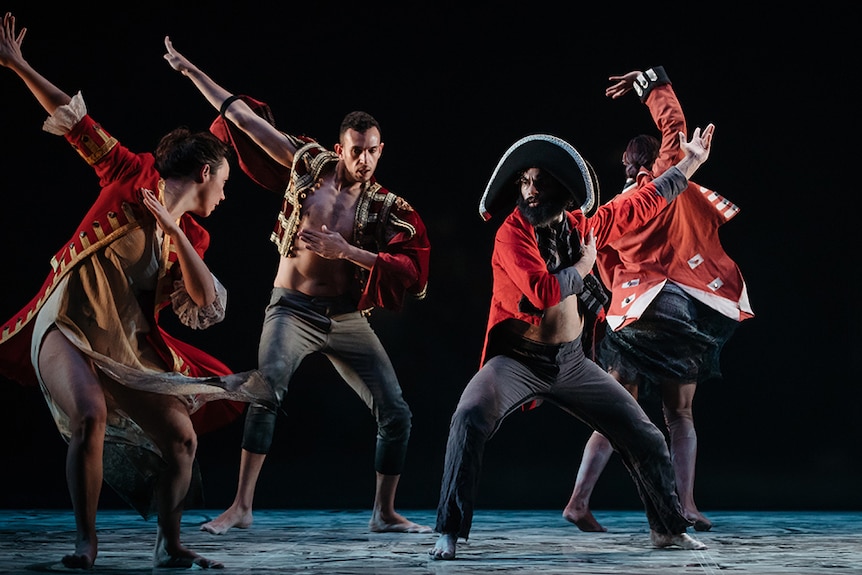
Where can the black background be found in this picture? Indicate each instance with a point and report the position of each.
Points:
(453, 87)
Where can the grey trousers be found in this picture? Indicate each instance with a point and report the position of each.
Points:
(563, 375)
(297, 325)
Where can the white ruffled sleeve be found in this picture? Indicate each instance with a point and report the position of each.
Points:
(194, 316)
(66, 117)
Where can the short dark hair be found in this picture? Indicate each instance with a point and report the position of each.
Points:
(359, 121)
(641, 151)
(181, 153)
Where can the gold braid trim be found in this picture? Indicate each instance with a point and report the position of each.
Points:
(284, 236)
(73, 254)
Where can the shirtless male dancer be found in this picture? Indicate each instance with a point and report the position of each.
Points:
(347, 245)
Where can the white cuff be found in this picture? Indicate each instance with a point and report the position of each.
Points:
(66, 117)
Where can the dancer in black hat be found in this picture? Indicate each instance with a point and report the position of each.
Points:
(543, 254)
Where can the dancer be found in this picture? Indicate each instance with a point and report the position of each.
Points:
(541, 263)
(91, 337)
(346, 245)
(677, 297)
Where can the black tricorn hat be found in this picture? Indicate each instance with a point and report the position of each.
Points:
(546, 152)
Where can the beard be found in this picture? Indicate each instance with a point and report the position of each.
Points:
(550, 206)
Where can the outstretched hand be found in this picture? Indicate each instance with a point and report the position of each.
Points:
(699, 145)
(622, 86)
(696, 150)
(10, 41)
(177, 61)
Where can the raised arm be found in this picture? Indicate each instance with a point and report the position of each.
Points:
(654, 89)
(270, 139)
(696, 150)
(48, 95)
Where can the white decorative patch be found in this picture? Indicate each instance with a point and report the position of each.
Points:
(715, 284)
(631, 283)
(695, 261)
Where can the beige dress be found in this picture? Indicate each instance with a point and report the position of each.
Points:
(97, 308)
(104, 307)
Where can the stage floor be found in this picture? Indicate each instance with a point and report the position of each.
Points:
(501, 542)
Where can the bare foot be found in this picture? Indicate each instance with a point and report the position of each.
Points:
(185, 559)
(84, 556)
(584, 519)
(395, 523)
(180, 557)
(701, 523)
(679, 539)
(231, 517)
(445, 547)
(75, 561)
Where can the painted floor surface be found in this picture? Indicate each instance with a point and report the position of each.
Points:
(501, 542)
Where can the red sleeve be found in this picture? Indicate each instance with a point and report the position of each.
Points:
(666, 112)
(94, 145)
(401, 268)
(622, 214)
(517, 254)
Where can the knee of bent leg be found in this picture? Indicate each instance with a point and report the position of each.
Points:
(182, 444)
(474, 416)
(277, 374)
(677, 400)
(678, 414)
(677, 403)
(679, 420)
(188, 440)
(396, 425)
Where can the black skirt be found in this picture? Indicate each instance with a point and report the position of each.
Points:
(676, 338)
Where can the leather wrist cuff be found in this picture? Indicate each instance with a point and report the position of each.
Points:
(648, 80)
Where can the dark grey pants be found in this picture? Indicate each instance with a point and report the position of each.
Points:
(297, 325)
(562, 375)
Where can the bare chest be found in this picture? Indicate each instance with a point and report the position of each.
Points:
(332, 207)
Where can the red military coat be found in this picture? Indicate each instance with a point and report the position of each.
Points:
(681, 244)
(519, 269)
(116, 211)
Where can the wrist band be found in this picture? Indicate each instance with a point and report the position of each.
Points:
(648, 80)
(226, 104)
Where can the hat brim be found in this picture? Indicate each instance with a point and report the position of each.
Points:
(546, 152)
